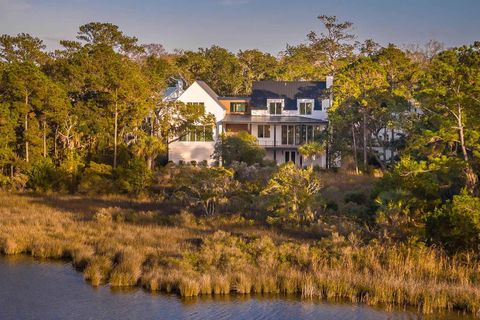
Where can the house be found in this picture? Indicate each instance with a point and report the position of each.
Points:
(199, 145)
(281, 114)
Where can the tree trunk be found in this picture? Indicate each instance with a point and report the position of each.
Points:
(392, 147)
(115, 137)
(55, 142)
(385, 141)
(354, 142)
(471, 176)
(44, 140)
(364, 140)
(27, 158)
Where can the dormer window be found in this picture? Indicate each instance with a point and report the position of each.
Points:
(275, 106)
(305, 106)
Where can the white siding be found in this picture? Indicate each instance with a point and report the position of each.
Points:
(198, 150)
(316, 114)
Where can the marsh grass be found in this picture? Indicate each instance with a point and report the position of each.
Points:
(130, 246)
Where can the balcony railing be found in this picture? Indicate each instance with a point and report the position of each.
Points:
(271, 143)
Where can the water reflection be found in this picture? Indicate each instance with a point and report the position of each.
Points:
(32, 289)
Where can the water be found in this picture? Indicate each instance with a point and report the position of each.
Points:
(32, 289)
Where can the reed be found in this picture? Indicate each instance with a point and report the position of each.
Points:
(189, 256)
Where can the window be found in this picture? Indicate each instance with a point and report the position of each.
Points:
(263, 131)
(298, 134)
(290, 135)
(238, 106)
(199, 133)
(305, 106)
(275, 106)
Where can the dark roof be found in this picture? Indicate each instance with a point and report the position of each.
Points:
(241, 118)
(290, 91)
(233, 98)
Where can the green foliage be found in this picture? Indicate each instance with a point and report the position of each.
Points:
(203, 187)
(358, 197)
(456, 225)
(96, 179)
(134, 178)
(242, 147)
(44, 175)
(311, 150)
(293, 195)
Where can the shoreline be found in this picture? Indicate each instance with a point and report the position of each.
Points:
(190, 257)
(232, 297)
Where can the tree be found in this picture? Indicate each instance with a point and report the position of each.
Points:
(450, 99)
(242, 147)
(203, 186)
(456, 225)
(311, 150)
(293, 194)
(334, 48)
(256, 66)
(354, 91)
(215, 65)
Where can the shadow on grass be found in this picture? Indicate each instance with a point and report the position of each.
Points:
(86, 206)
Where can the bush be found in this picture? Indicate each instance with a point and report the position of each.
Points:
(43, 176)
(242, 147)
(136, 177)
(456, 225)
(357, 197)
(97, 179)
(293, 194)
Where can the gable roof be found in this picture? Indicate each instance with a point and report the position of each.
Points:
(209, 91)
(290, 91)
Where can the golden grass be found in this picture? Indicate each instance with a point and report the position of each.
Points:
(126, 243)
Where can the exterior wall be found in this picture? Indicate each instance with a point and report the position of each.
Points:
(316, 114)
(280, 149)
(198, 150)
(226, 105)
(191, 151)
(235, 127)
(280, 158)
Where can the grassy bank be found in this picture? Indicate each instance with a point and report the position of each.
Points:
(135, 243)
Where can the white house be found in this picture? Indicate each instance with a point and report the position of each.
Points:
(281, 114)
(199, 146)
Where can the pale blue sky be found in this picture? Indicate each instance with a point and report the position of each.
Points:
(241, 24)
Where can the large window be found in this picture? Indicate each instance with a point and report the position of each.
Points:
(275, 106)
(199, 133)
(238, 106)
(263, 131)
(288, 134)
(298, 134)
(305, 106)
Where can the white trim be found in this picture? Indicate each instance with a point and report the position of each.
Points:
(282, 101)
(312, 101)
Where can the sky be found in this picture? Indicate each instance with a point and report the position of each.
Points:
(268, 25)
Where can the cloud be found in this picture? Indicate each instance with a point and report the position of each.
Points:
(233, 2)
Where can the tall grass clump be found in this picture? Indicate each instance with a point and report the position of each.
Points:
(197, 256)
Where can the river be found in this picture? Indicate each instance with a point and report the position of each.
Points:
(33, 289)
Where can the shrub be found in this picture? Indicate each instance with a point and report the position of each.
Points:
(97, 179)
(293, 194)
(358, 197)
(242, 147)
(203, 187)
(456, 225)
(43, 175)
(136, 177)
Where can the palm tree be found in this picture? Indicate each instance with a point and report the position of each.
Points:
(311, 150)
